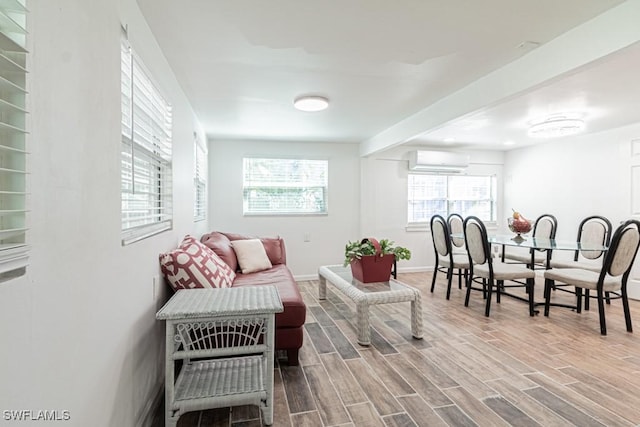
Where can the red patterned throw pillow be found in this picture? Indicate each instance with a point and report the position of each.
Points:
(193, 265)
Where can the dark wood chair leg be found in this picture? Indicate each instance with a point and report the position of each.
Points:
(548, 284)
(627, 313)
(488, 307)
(587, 298)
(499, 290)
(433, 281)
(579, 299)
(449, 277)
(530, 287)
(459, 278)
(469, 284)
(603, 322)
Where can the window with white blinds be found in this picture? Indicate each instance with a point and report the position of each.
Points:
(146, 163)
(285, 186)
(199, 180)
(429, 195)
(13, 132)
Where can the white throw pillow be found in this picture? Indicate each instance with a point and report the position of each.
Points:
(251, 255)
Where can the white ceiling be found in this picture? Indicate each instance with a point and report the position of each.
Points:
(401, 71)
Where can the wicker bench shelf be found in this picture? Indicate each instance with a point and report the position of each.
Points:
(240, 376)
(231, 334)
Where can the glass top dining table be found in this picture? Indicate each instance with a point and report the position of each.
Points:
(543, 243)
(539, 243)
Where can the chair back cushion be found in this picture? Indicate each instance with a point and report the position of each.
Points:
(624, 248)
(594, 232)
(455, 227)
(440, 235)
(475, 238)
(545, 227)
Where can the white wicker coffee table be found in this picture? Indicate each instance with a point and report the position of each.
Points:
(366, 294)
(225, 341)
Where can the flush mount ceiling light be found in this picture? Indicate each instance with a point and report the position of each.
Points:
(557, 126)
(311, 103)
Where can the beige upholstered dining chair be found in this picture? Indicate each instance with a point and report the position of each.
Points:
(593, 230)
(455, 222)
(446, 261)
(492, 274)
(612, 276)
(544, 227)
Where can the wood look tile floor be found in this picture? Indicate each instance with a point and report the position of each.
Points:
(469, 370)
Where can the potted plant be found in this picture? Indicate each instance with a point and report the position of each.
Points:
(372, 261)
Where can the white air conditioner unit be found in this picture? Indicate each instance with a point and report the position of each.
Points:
(438, 161)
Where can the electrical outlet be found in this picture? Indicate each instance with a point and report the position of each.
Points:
(307, 237)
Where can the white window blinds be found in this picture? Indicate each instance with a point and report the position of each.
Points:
(285, 186)
(199, 180)
(445, 194)
(146, 169)
(13, 153)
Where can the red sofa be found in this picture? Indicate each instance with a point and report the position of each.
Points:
(289, 323)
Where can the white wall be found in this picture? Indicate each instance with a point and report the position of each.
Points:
(78, 330)
(328, 233)
(384, 200)
(572, 178)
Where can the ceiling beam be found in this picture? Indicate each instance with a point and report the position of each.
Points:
(605, 34)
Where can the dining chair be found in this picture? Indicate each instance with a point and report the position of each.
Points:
(455, 223)
(612, 276)
(446, 261)
(491, 273)
(544, 227)
(593, 230)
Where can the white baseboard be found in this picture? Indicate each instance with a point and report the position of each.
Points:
(305, 277)
(414, 269)
(633, 289)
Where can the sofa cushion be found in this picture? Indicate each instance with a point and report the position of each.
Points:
(251, 255)
(274, 246)
(193, 265)
(280, 276)
(221, 245)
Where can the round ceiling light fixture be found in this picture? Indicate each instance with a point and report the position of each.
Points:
(556, 126)
(311, 103)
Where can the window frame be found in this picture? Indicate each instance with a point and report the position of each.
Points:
(325, 187)
(14, 141)
(419, 225)
(146, 158)
(200, 172)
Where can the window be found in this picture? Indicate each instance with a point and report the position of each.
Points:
(14, 252)
(285, 186)
(444, 194)
(146, 168)
(199, 180)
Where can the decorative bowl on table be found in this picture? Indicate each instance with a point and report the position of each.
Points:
(519, 226)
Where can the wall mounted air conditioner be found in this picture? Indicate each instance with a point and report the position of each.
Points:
(438, 161)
